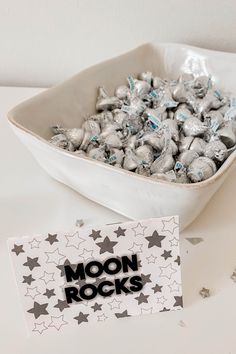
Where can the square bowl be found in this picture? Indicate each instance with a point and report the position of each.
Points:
(125, 192)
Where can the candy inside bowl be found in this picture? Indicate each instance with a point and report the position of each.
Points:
(132, 152)
(180, 130)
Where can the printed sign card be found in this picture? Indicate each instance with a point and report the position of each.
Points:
(98, 273)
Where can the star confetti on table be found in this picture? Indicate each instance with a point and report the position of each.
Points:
(95, 234)
(18, 249)
(106, 245)
(120, 232)
(82, 317)
(52, 238)
(32, 263)
(155, 239)
(38, 309)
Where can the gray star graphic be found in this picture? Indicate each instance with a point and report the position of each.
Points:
(146, 278)
(32, 263)
(52, 238)
(142, 298)
(122, 314)
(38, 309)
(178, 301)
(49, 293)
(99, 281)
(61, 267)
(96, 307)
(157, 288)
(95, 234)
(106, 245)
(177, 260)
(82, 317)
(18, 249)
(61, 305)
(120, 232)
(164, 309)
(81, 282)
(28, 279)
(166, 254)
(155, 239)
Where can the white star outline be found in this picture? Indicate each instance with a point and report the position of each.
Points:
(54, 257)
(151, 259)
(146, 311)
(46, 277)
(32, 292)
(170, 225)
(174, 242)
(57, 322)
(39, 327)
(102, 318)
(86, 254)
(136, 248)
(167, 271)
(139, 230)
(74, 240)
(34, 243)
(174, 287)
(161, 300)
(115, 304)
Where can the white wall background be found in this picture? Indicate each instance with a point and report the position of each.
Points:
(45, 41)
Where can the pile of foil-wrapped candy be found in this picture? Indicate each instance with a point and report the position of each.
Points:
(174, 130)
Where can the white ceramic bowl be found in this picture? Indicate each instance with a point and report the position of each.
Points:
(125, 192)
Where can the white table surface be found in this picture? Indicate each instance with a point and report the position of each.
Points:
(32, 203)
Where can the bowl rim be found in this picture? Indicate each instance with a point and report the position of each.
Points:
(223, 169)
